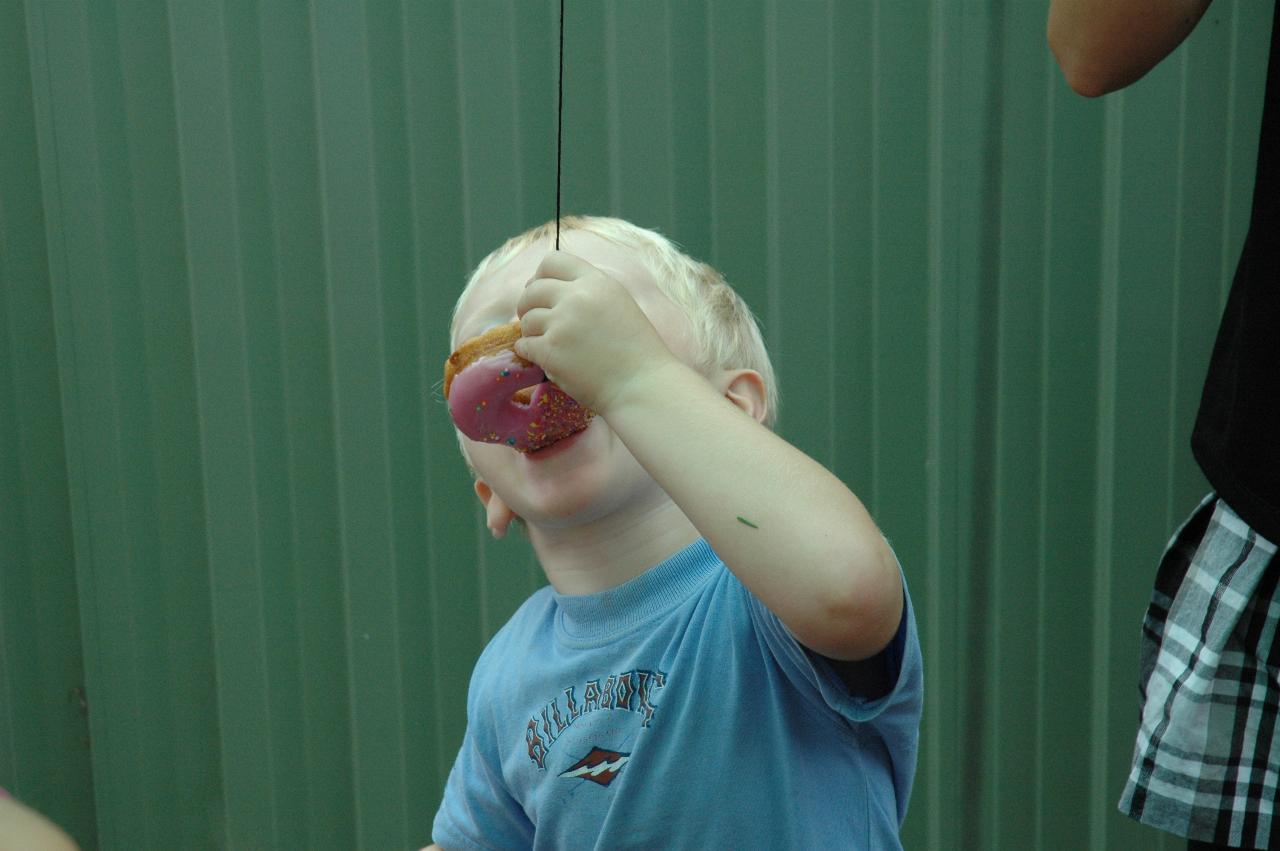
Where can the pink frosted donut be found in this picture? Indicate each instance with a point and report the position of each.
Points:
(496, 396)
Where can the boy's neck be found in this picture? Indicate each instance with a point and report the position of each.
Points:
(611, 551)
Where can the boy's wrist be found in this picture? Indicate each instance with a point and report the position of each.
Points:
(651, 391)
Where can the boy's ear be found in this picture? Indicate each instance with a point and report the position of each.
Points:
(745, 388)
(498, 515)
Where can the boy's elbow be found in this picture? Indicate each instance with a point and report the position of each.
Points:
(859, 620)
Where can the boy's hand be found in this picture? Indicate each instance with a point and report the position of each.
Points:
(586, 331)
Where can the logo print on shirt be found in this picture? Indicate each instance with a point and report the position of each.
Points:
(599, 766)
(629, 691)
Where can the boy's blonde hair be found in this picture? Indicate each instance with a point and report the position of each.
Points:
(725, 330)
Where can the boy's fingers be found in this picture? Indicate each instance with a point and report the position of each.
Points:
(540, 292)
(534, 349)
(534, 322)
(563, 266)
(528, 348)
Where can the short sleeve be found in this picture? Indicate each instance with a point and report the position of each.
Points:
(887, 720)
(899, 663)
(478, 811)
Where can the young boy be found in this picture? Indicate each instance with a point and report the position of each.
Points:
(726, 656)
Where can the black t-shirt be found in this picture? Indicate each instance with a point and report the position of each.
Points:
(1237, 432)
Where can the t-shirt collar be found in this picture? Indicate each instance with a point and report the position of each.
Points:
(605, 614)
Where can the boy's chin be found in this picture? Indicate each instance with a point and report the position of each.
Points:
(581, 482)
(566, 501)
(596, 492)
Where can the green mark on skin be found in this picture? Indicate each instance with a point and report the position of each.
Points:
(747, 522)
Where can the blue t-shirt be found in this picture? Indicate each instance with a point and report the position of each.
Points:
(676, 711)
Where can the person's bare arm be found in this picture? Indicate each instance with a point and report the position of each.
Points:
(1105, 45)
(24, 829)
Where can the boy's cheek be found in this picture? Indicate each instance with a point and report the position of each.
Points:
(486, 459)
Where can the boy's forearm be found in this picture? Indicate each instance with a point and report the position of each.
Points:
(789, 529)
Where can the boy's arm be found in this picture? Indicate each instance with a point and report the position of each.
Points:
(812, 554)
(1104, 45)
(790, 530)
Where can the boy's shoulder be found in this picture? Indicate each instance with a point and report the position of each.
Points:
(530, 623)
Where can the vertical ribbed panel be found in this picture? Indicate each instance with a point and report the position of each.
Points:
(231, 236)
(44, 729)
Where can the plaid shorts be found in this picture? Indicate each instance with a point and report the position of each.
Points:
(1207, 760)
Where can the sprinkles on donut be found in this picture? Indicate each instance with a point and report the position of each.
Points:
(496, 396)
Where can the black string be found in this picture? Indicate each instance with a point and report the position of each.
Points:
(559, 124)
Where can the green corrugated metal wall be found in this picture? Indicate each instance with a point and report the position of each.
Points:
(239, 553)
